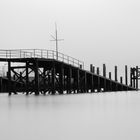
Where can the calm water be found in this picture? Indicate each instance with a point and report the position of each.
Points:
(110, 116)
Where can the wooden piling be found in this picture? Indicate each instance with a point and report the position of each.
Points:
(78, 80)
(104, 75)
(9, 78)
(98, 71)
(110, 84)
(53, 78)
(85, 82)
(105, 88)
(61, 78)
(126, 77)
(27, 78)
(69, 80)
(91, 68)
(44, 80)
(121, 79)
(136, 77)
(131, 83)
(104, 70)
(110, 75)
(92, 83)
(116, 73)
(99, 89)
(36, 78)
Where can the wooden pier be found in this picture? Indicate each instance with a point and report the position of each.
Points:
(42, 72)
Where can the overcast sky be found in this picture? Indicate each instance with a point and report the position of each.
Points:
(95, 31)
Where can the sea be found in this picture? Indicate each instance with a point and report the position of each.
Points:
(86, 116)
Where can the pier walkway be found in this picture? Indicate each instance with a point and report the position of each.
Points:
(41, 72)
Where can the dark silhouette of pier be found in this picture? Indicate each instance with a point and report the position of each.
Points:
(47, 72)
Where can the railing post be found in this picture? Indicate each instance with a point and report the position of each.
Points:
(53, 54)
(47, 54)
(41, 54)
(34, 52)
(10, 53)
(68, 59)
(78, 63)
(63, 57)
(20, 53)
(24, 54)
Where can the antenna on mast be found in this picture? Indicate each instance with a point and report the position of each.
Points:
(55, 38)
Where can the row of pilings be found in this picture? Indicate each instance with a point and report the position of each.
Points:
(134, 75)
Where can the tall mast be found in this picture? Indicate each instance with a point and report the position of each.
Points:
(56, 40)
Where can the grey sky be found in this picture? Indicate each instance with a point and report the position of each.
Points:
(95, 31)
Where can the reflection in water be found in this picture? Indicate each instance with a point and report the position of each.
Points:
(111, 116)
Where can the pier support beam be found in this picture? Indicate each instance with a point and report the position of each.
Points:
(61, 78)
(92, 84)
(85, 82)
(69, 80)
(9, 78)
(53, 78)
(27, 78)
(77, 80)
(110, 82)
(137, 77)
(36, 78)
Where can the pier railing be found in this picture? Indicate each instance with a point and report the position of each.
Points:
(40, 53)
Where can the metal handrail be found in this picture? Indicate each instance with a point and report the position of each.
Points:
(40, 53)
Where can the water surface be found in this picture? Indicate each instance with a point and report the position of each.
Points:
(103, 116)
